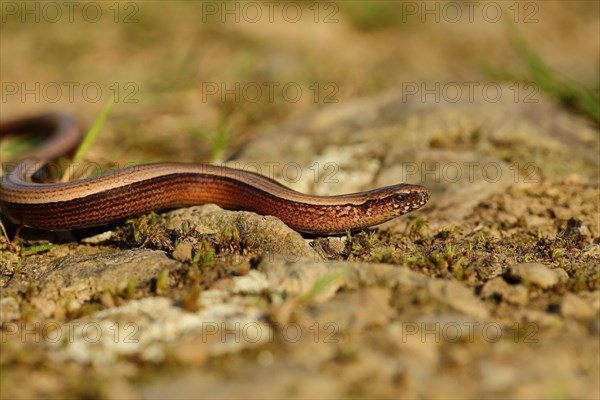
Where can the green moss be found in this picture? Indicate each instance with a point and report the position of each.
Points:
(417, 228)
(143, 231)
(360, 244)
(204, 254)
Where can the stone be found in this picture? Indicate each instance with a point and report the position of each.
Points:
(9, 310)
(183, 251)
(540, 319)
(498, 287)
(359, 309)
(457, 297)
(573, 306)
(74, 279)
(260, 233)
(535, 274)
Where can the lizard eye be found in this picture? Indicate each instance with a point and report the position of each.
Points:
(400, 199)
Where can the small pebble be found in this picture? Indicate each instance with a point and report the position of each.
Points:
(534, 273)
(514, 294)
(183, 251)
(573, 306)
(9, 309)
(99, 238)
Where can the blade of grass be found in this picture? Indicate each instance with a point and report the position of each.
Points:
(27, 251)
(90, 137)
(568, 92)
(324, 283)
(221, 140)
(92, 134)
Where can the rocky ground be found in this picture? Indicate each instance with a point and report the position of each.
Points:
(491, 290)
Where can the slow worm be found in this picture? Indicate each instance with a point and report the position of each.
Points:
(139, 189)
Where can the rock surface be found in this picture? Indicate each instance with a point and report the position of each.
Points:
(535, 274)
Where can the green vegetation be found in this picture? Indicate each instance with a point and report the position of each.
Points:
(571, 94)
(323, 283)
(162, 281)
(88, 141)
(36, 249)
(360, 244)
(92, 134)
(143, 231)
(203, 254)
